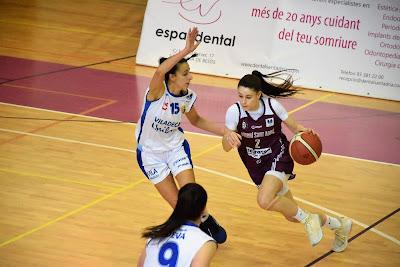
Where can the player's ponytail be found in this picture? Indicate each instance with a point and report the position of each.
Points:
(258, 81)
(192, 200)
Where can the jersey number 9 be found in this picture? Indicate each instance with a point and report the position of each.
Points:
(168, 255)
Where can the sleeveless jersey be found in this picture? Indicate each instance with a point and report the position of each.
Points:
(177, 250)
(158, 129)
(263, 147)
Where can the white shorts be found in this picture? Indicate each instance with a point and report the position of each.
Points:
(157, 166)
(284, 179)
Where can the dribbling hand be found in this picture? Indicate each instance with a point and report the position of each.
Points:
(311, 131)
(233, 139)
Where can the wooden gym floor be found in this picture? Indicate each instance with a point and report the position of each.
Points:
(72, 193)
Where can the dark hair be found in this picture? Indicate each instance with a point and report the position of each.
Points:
(175, 67)
(192, 199)
(256, 81)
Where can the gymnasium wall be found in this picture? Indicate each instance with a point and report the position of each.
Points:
(347, 46)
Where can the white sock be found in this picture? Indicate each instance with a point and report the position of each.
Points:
(332, 222)
(204, 217)
(301, 215)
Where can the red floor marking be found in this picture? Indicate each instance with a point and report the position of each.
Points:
(58, 92)
(348, 131)
(85, 112)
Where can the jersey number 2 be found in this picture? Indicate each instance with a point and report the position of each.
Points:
(168, 255)
(174, 108)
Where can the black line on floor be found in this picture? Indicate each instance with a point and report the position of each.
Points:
(355, 236)
(66, 69)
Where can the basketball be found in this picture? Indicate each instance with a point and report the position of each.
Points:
(305, 148)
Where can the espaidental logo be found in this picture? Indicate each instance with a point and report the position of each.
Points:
(198, 11)
(220, 39)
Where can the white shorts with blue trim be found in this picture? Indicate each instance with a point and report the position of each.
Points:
(157, 166)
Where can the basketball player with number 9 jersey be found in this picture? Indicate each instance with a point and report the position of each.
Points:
(177, 250)
(179, 242)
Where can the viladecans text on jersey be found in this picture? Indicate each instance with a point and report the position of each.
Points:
(164, 126)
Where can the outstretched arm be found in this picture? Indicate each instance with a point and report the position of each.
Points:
(156, 83)
(295, 127)
(200, 122)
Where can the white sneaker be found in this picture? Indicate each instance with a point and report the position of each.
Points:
(312, 224)
(342, 235)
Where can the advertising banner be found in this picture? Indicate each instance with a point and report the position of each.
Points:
(347, 46)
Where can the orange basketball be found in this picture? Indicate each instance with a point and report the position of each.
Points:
(305, 148)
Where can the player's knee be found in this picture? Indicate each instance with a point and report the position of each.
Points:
(265, 202)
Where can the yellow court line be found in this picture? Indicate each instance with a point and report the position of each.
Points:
(240, 210)
(115, 192)
(134, 151)
(111, 102)
(310, 103)
(59, 179)
(73, 212)
(235, 178)
(206, 151)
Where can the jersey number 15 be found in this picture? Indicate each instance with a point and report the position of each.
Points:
(174, 108)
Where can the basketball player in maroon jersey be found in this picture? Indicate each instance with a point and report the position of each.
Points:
(254, 127)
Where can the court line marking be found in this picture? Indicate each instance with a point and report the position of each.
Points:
(310, 103)
(57, 92)
(110, 188)
(213, 172)
(67, 140)
(111, 102)
(76, 211)
(354, 237)
(396, 241)
(199, 134)
(207, 150)
(70, 68)
(64, 113)
(73, 212)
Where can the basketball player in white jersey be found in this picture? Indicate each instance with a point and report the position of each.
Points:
(162, 151)
(179, 242)
(253, 126)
